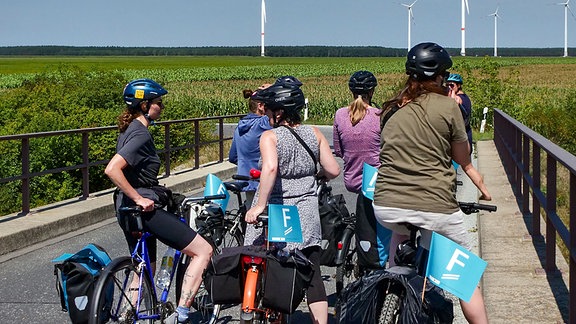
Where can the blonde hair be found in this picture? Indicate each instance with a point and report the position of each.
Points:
(357, 110)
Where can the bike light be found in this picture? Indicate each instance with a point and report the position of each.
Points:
(340, 245)
(255, 173)
(247, 259)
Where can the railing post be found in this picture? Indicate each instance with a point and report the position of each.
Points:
(517, 160)
(525, 174)
(196, 144)
(550, 209)
(25, 175)
(536, 169)
(167, 149)
(221, 136)
(85, 167)
(572, 251)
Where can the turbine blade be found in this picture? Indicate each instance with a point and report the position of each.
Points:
(264, 10)
(572, 13)
(467, 8)
(413, 3)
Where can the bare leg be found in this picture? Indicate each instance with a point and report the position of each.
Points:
(474, 311)
(394, 241)
(200, 252)
(319, 312)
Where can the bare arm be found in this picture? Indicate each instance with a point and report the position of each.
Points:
(330, 167)
(267, 177)
(114, 172)
(461, 156)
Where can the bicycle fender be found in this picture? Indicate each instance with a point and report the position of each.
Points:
(346, 240)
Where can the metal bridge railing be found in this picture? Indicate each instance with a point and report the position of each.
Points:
(521, 149)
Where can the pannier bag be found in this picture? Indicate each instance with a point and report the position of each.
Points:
(362, 300)
(372, 239)
(223, 276)
(76, 275)
(287, 278)
(333, 211)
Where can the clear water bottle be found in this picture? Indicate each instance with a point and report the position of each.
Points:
(163, 277)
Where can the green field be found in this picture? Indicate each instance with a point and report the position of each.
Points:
(47, 93)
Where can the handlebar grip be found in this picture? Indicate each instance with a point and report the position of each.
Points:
(215, 197)
(241, 177)
(490, 208)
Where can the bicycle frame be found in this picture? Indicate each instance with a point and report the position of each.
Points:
(140, 255)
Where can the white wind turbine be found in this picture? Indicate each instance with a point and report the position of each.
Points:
(410, 19)
(566, 9)
(465, 10)
(496, 16)
(262, 22)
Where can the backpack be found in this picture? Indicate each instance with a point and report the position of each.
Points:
(76, 275)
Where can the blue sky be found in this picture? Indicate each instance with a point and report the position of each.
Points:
(524, 23)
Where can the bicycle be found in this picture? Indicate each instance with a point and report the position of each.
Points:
(411, 259)
(125, 291)
(345, 259)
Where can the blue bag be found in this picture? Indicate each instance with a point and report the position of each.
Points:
(76, 275)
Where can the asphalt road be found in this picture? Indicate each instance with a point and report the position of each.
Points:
(27, 281)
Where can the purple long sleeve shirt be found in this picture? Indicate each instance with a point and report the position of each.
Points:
(356, 144)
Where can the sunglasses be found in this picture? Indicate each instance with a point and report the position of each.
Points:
(159, 103)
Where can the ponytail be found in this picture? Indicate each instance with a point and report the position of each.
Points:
(357, 110)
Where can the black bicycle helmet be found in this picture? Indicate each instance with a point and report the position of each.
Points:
(140, 90)
(281, 95)
(288, 79)
(427, 60)
(362, 82)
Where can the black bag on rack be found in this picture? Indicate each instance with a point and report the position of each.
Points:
(333, 210)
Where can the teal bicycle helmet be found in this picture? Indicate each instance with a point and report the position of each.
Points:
(456, 78)
(140, 90)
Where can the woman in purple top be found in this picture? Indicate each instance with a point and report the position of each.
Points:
(357, 130)
(357, 141)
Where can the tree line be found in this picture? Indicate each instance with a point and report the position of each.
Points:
(273, 51)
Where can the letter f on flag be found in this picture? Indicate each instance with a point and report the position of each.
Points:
(453, 268)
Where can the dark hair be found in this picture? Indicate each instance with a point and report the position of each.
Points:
(252, 104)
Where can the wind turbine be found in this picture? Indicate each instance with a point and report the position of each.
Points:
(262, 22)
(410, 19)
(465, 10)
(496, 16)
(566, 9)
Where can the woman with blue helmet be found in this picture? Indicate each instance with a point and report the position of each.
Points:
(454, 83)
(134, 170)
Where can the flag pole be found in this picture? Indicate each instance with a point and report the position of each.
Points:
(424, 289)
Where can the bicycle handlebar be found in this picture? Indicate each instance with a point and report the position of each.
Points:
(203, 199)
(472, 207)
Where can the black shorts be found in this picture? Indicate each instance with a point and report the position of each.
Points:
(163, 225)
(316, 291)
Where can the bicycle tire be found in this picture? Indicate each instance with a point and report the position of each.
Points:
(346, 272)
(112, 300)
(390, 311)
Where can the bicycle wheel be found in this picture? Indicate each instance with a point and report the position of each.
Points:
(390, 311)
(116, 294)
(347, 272)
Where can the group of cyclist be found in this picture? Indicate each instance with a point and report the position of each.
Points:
(411, 140)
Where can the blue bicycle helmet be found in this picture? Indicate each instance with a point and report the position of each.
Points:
(362, 82)
(140, 90)
(288, 79)
(456, 78)
(427, 60)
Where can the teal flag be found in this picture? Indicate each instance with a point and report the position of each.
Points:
(215, 186)
(284, 224)
(453, 268)
(369, 174)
